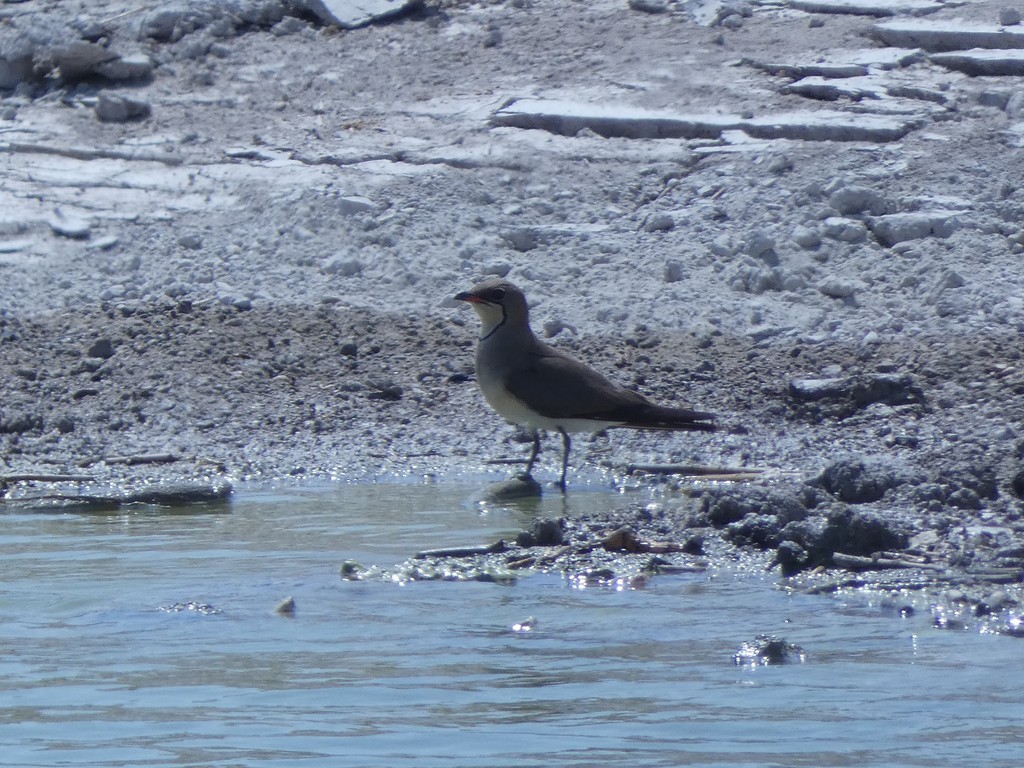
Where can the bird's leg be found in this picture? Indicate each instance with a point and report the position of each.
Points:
(533, 454)
(566, 445)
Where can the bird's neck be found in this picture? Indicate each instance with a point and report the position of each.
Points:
(492, 323)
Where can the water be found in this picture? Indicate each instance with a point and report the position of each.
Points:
(149, 638)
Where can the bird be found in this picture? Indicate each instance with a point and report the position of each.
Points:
(534, 385)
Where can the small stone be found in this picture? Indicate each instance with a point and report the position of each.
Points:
(521, 240)
(780, 163)
(493, 38)
(1017, 484)
(136, 67)
(846, 230)
(856, 199)
(900, 227)
(105, 243)
(349, 349)
(101, 348)
(339, 265)
(649, 6)
(520, 487)
(498, 268)
(1009, 17)
(732, 21)
(350, 205)
(806, 237)
(673, 272)
(112, 108)
(192, 242)
(286, 607)
(659, 222)
(839, 288)
(722, 247)
(70, 225)
(761, 245)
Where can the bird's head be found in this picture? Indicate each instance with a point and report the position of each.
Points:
(498, 303)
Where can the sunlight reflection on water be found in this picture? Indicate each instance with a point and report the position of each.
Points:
(105, 660)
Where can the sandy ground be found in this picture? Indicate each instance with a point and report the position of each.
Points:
(256, 276)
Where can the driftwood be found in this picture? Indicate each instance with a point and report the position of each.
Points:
(734, 474)
(488, 549)
(142, 458)
(882, 561)
(89, 153)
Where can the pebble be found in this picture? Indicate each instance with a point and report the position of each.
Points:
(340, 265)
(761, 245)
(105, 243)
(101, 348)
(521, 240)
(858, 480)
(806, 237)
(839, 288)
(70, 225)
(659, 222)
(350, 205)
(900, 227)
(857, 199)
(286, 607)
(136, 67)
(673, 272)
(846, 230)
(722, 247)
(114, 108)
(1009, 17)
(649, 6)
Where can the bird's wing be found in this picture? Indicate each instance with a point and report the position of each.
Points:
(556, 386)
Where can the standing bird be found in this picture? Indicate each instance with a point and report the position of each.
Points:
(535, 385)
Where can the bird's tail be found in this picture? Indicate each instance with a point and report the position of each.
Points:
(651, 416)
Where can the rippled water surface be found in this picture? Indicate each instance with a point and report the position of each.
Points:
(149, 638)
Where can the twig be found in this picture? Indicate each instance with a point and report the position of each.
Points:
(85, 153)
(142, 458)
(696, 470)
(488, 549)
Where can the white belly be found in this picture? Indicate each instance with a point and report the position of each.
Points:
(517, 412)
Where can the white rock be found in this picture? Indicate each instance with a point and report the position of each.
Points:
(68, 224)
(839, 288)
(761, 245)
(982, 62)
(806, 237)
(868, 7)
(568, 118)
(847, 230)
(1008, 17)
(947, 35)
(659, 222)
(857, 199)
(350, 14)
(115, 108)
(133, 67)
(722, 247)
(353, 204)
(901, 227)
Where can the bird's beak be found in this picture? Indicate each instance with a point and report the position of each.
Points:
(472, 298)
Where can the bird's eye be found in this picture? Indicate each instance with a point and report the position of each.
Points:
(497, 294)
